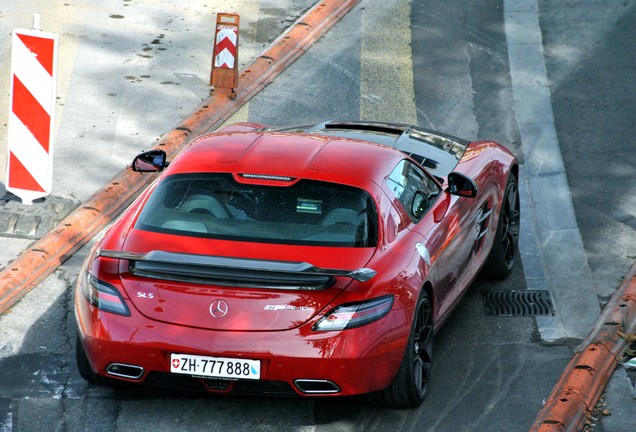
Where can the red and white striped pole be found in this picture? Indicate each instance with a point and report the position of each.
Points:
(225, 54)
(32, 113)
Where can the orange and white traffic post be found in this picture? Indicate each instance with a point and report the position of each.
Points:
(32, 113)
(225, 55)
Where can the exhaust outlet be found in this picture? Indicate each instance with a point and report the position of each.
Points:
(125, 371)
(314, 386)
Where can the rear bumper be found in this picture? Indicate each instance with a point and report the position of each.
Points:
(298, 361)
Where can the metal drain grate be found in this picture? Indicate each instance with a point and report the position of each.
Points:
(517, 303)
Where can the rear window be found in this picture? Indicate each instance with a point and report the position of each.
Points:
(306, 213)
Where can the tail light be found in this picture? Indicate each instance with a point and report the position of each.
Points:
(103, 295)
(353, 315)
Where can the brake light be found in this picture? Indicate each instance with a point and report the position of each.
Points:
(103, 295)
(353, 315)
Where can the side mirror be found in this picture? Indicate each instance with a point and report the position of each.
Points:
(150, 161)
(460, 185)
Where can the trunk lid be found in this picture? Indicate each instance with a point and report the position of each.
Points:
(230, 285)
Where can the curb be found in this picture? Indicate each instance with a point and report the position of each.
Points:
(585, 377)
(44, 256)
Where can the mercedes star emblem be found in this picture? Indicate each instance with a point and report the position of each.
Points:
(218, 309)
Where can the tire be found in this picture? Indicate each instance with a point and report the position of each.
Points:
(83, 364)
(503, 254)
(410, 385)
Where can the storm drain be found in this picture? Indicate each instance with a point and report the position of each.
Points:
(517, 303)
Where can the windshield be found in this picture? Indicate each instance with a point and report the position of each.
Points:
(306, 213)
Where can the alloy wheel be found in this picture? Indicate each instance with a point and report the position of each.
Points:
(510, 217)
(422, 346)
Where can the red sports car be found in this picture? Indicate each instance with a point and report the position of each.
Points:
(314, 261)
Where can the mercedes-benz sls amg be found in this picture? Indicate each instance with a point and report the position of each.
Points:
(315, 260)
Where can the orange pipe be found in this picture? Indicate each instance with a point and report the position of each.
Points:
(45, 255)
(586, 375)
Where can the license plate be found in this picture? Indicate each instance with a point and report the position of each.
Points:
(215, 367)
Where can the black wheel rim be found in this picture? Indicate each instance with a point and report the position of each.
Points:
(510, 218)
(422, 346)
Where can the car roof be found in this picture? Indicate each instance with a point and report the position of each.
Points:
(289, 154)
(438, 152)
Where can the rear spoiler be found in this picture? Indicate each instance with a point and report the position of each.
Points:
(226, 271)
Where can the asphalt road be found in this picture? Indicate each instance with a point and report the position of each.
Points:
(443, 65)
